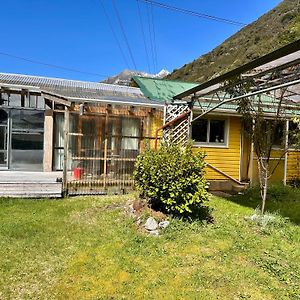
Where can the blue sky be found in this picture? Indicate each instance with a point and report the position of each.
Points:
(76, 34)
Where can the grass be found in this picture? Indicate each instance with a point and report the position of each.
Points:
(284, 200)
(88, 248)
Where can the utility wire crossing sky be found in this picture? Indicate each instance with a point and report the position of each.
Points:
(94, 39)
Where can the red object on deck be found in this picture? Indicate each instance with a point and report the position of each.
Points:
(78, 172)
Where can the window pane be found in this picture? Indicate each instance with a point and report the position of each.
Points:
(58, 159)
(58, 130)
(32, 101)
(27, 141)
(3, 116)
(217, 131)
(15, 100)
(293, 133)
(279, 134)
(130, 128)
(199, 130)
(27, 151)
(27, 120)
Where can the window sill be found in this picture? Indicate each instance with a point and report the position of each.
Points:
(221, 146)
(293, 150)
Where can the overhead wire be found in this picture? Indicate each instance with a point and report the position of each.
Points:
(124, 33)
(114, 34)
(194, 13)
(150, 38)
(143, 35)
(52, 65)
(154, 37)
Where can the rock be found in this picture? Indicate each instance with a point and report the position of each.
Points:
(164, 224)
(138, 205)
(154, 232)
(130, 210)
(138, 221)
(251, 218)
(151, 224)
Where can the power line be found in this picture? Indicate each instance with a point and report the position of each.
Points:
(114, 34)
(194, 13)
(124, 33)
(52, 65)
(143, 35)
(150, 37)
(154, 38)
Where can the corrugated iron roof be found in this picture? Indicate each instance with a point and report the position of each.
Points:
(80, 90)
(160, 89)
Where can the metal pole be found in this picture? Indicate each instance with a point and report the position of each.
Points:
(248, 95)
(66, 150)
(286, 147)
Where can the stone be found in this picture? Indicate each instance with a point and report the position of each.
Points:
(151, 224)
(164, 224)
(138, 221)
(154, 232)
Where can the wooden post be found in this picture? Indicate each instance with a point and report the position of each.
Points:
(286, 147)
(105, 147)
(48, 141)
(105, 163)
(66, 149)
(252, 158)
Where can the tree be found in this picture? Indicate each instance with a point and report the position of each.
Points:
(263, 132)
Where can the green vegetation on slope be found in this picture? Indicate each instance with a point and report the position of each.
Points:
(88, 248)
(273, 30)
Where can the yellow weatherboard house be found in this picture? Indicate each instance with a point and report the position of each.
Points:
(231, 162)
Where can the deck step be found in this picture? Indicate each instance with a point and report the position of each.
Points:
(31, 189)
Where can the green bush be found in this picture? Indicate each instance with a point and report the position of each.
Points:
(172, 179)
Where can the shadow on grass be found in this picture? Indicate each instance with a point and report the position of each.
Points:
(284, 200)
(200, 213)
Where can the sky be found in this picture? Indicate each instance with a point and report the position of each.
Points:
(93, 39)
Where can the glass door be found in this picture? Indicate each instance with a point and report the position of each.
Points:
(3, 139)
(27, 137)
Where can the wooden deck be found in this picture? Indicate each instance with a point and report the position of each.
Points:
(30, 184)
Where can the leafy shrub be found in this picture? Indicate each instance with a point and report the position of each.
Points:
(172, 179)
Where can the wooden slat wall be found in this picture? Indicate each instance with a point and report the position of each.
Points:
(225, 159)
(293, 165)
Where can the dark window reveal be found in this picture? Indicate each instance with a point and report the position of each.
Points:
(209, 131)
(217, 131)
(199, 130)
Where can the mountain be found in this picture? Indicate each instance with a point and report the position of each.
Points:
(271, 31)
(124, 78)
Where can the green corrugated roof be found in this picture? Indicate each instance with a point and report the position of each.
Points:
(165, 90)
(160, 89)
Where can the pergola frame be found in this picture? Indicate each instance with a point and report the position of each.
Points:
(272, 72)
(277, 72)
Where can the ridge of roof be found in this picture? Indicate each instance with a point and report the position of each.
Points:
(167, 80)
(72, 82)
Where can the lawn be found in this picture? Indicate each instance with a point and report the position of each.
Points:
(88, 248)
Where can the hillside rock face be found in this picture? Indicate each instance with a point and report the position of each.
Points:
(271, 31)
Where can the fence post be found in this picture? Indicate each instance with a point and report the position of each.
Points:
(66, 150)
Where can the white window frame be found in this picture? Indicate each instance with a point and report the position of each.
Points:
(208, 144)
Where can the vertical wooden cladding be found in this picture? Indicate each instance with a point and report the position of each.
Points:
(293, 165)
(104, 143)
(226, 159)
